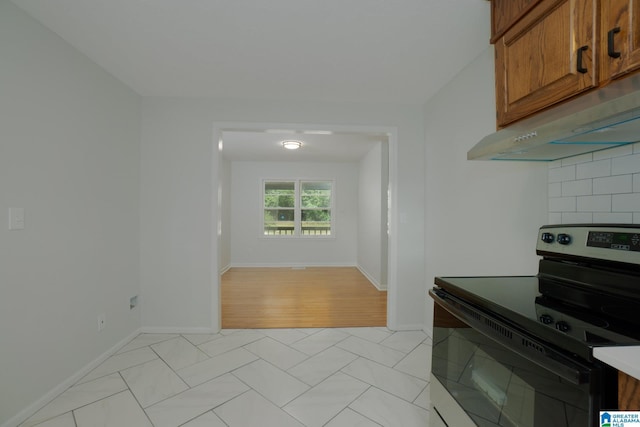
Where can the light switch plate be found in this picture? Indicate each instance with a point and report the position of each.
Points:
(16, 218)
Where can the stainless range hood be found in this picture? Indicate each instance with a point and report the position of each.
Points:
(605, 118)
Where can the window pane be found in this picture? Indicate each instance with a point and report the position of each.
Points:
(316, 222)
(315, 195)
(278, 221)
(279, 195)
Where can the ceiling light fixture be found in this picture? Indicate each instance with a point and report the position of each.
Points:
(291, 145)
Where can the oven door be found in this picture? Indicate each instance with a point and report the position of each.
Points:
(486, 373)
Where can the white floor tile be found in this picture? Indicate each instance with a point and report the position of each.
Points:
(417, 363)
(262, 413)
(376, 352)
(121, 361)
(283, 356)
(285, 336)
(405, 341)
(361, 377)
(78, 396)
(271, 382)
(144, 340)
(389, 411)
(197, 339)
(64, 420)
(319, 341)
(324, 401)
(369, 334)
(424, 398)
(230, 342)
(319, 367)
(152, 382)
(397, 383)
(179, 353)
(208, 419)
(216, 366)
(120, 410)
(195, 402)
(349, 418)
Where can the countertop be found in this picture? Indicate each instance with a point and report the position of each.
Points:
(623, 358)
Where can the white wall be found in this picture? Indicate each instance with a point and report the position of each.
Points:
(177, 165)
(69, 155)
(249, 248)
(482, 216)
(372, 215)
(224, 231)
(600, 187)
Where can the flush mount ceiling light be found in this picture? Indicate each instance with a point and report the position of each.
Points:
(291, 145)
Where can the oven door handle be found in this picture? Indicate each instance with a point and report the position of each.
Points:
(513, 338)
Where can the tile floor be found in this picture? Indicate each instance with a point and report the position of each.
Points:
(342, 377)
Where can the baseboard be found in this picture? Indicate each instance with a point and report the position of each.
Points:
(373, 281)
(291, 265)
(64, 385)
(225, 269)
(178, 330)
(410, 327)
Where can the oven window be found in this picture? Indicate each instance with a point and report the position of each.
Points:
(497, 387)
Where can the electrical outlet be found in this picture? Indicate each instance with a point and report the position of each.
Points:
(102, 321)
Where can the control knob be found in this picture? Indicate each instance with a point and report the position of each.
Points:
(564, 239)
(547, 237)
(562, 326)
(546, 319)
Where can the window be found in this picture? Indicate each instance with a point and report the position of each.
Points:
(297, 208)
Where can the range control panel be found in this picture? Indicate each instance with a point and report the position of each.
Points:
(612, 242)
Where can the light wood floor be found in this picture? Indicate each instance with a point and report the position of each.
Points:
(315, 297)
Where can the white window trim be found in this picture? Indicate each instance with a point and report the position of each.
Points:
(297, 233)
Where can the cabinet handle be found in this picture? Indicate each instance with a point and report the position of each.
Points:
(611, 50)
(579, 66)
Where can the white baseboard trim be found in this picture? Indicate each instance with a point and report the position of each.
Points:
(224, 269)
(410, 327)
(293, 264)
(178, 330)
(57, 390)
(373, 281)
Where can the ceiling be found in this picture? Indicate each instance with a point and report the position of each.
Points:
(267, 146)
(359, 51)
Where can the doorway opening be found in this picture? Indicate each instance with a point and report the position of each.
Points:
(358, 252)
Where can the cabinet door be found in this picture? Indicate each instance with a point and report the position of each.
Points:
(620, 37)
(545, 58)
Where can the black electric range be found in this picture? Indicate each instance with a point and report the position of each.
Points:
(518, 350)
(586, 293)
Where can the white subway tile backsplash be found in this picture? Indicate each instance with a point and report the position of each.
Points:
(613, 184)
(576, 218)
(594, 169)
(565, 173)
(623, 150)
(613, 218)
(562, 204)
(627, 164)
(582, 158)
(603, 187)
(582, 187)
(626, 202)
(601, 203)
(555, 218)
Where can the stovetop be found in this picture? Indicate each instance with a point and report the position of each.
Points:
(518, 301)
(586, 293)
